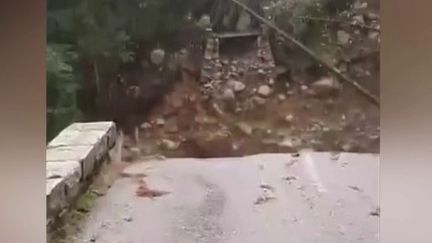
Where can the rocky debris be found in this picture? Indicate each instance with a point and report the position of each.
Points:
(372, 16)
(261, 71)
(218, 65)
(144, 191)
(264, 90)
(282, 97)
(157, 56)
(290, 142)
(128, 218)
(343, 37)
(355, 188)
(304, 88)
(290, 178)
(335, 156)
(146, 125)
(289, 118)
(160, 121)
(203, 119)
(177, 102)
(258, 100)
(267, 194)
(131, 154)
(375, 212)
(373, 35)
(228, 94)
(358, 19)
(135, 151)
(169, 144)
(171, 125)
(246, 128)
(325, 86)
(237, 86)
(359, 5)
(347, 147)
(217, 75)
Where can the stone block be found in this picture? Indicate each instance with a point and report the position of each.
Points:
(62, 185)
(102, 133)
(86, 155)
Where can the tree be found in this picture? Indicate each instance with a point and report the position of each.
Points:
(61, 87)
(88, 41)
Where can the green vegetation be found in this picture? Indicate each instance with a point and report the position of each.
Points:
(88, 40)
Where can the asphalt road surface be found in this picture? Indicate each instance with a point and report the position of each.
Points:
(277, 198)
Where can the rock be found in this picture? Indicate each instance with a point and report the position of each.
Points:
(177, 102)
(304, 88)
(258, 100)
(359, 5)
(373, 35)
(282, 97)
(326, 129)
(290, 142)
(372, 16)
(146, 125)
(264, 90)
(358, 19)
(343, 37)
(218, 65)
(228, 94)
(237, 86)
(289, 118)
(171, 125)
(204, 21)
(325, 86)
(128, 218)
(244, 127)
(192, 98)
(224, 62)
(261, 71)
(157, 56)
(169, 144)
(217, 75)
(347, 147)
(160, 121)
(241, 72)
(135, 152)
(290, 92)
(131, 154)
(271, 81)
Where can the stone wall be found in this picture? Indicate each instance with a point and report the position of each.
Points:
(71, 159)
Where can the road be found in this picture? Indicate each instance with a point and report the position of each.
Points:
(278, 198)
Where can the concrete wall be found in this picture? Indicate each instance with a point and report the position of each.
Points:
(71, 159)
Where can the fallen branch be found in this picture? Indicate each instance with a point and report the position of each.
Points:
(363, 26)
(331, 68)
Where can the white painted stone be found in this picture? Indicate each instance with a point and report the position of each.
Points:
(71, 157)
(55, 196)
(84, 154)
(63, 184)
(70, 137)
(108, 128)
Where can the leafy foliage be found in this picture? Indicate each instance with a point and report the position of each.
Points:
(100, 34)
(61, 104)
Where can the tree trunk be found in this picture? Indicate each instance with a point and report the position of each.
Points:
(97, 77)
